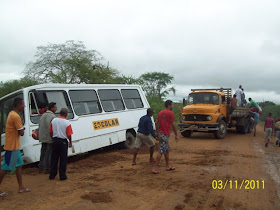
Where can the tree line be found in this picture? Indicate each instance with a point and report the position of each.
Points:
(269, 107)
(72, 63)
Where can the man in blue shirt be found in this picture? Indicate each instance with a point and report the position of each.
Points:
(145, 128)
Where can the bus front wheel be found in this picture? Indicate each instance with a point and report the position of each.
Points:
(130, 141)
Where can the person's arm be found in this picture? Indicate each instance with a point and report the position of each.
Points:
(70, 140)
(69, 133)
(21, 132)
(264, 125)
(175, 131)
(151, 129)
(51, 131)
(157, 128)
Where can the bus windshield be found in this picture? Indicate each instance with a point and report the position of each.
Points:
(203, 98)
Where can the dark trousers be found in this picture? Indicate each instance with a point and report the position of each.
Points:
(59, 152)
(45, 158)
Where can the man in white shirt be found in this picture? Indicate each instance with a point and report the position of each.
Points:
(60, 131)
(238, 94)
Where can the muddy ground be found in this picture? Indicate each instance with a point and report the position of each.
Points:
(105, 179)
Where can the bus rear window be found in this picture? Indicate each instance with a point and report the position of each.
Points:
(111, 100)
(85, 102)
(132, 99)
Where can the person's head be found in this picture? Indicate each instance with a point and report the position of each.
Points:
(18, 104)
(242, 89)
(52, 107)
(168, 104)
(150, 112)
(63, 112)
(234, 95)
(250, 99)
(269, 114)
(240, 86)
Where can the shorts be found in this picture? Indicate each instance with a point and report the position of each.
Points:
(277, 135)
(142, 138)
(268, 133)
(255, 124)
(163, 143)
(231, 110)
(12, 160)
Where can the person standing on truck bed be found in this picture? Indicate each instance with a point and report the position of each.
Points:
(145, 128)
(233, 104)
(164, 121)
(12, 158)
(268, 128)
(238, 94)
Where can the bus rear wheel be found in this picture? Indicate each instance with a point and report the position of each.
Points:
(130, 141)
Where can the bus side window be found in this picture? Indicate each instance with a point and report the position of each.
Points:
(85, 102)
(132, 98)
(111, 100)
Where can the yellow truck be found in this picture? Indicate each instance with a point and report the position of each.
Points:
(208, 110)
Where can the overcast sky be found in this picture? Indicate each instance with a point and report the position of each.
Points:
(202, 43)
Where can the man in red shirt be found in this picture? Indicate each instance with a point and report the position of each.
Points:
(60, 131)
(268, 128)
(164, 121)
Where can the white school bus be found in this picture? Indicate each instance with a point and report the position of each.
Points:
(100, 115)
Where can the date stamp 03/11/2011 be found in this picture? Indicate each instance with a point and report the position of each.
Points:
(238, 185)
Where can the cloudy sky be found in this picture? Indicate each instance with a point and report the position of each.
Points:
(202, 43)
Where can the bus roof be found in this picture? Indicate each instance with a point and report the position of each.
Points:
(56, 85)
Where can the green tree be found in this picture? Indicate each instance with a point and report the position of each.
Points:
(69, 62)
(125, 80)
(13, 85)
(155, 84)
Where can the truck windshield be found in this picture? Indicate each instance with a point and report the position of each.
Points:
(203, 98)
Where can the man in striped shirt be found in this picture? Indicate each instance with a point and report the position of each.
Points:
(60, 131)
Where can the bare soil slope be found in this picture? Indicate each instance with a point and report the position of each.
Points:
(107, 180)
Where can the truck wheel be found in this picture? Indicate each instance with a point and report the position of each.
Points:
(244, 128)
(222, 130)
(186, 133)
(130, 141)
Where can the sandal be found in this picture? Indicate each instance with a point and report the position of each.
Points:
(25, 191)
(171, 168)
(155, 172)
(3, 194)
(133, 164)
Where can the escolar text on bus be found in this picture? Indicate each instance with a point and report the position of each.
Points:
(101, 124)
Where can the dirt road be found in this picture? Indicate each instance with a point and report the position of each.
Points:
(107, 180)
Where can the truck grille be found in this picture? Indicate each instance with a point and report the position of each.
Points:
(195, 117)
